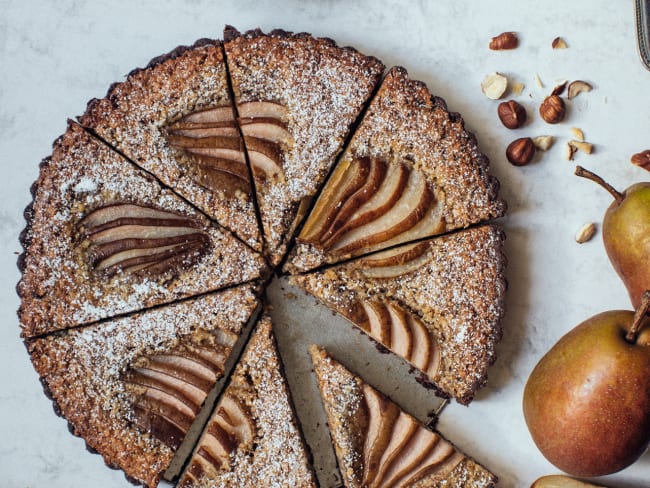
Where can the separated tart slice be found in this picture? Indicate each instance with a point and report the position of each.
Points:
(378, 445)
(252, 438)
(297, 97)
(411, 171)
(175, 119)
(436, 303)
(103, 238)
(132, 386)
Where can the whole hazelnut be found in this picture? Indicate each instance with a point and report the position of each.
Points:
(552, 109)
(511, 114)
(521, 151)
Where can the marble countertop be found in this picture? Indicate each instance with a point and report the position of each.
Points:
(54, 56)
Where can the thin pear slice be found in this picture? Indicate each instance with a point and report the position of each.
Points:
(235, 420)
(379, 321)
(348, 177)
(266, 128)
(442, 459)
(265, 157)
(406, 213)
(426, 353)
(374, 180)
(389, 192)
(431, 224)
(258, 109)
(401, 336)
(395, 262)
(218, 114)
(153, 380)
(382, 415)
(196, 131)
(235, 167)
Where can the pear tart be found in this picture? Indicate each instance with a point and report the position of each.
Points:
(175, 119)
(104, 238)
(437, 304)
(252, 438)
(411, 171)
(132, 386)
(297, 97)
(378, 445)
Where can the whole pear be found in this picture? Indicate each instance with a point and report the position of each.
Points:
(626, 234)
(587, 402)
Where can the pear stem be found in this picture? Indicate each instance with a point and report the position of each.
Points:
(639, 316)
(585, 173)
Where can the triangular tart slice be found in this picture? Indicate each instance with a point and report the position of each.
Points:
(103, 238)
(252, 438)
(175, 119)
(297, 97)
(411, 171)
(131, 387)
(437, 303)
(378, 445)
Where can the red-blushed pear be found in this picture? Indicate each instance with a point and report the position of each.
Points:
(626, 234)
(559, 481)
(587, 402)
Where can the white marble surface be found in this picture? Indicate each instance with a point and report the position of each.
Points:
(54, 56)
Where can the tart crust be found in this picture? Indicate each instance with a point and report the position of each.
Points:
(323, 87)
(344, 398)
(84, 372)
(59, 287)
(270, 450)
(454, 285)
(135, 114)
(406, 125)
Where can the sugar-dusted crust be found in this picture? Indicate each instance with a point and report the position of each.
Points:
(324, 88)
(133, 115)
(277, 455)
(406, 124)
(82, 372)
(457, 291)
(58, 289)
(342, 393)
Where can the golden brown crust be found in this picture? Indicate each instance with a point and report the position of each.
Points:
(342, 393)
(59, 288)
(406, 124)
(133, 115)
(457, 289)
(82, 372)
(324, 88)
(277, 453)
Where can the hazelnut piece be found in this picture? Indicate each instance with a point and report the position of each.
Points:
(511, 114)
(494, 85)
(520, 151)
(558, 43)
(505, 40)
(552, 109)
(642, 159)
(577, 87)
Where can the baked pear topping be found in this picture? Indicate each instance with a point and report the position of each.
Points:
(398, 451)
(395, 262)
(369, 204)
(134, 238)
(170, 388)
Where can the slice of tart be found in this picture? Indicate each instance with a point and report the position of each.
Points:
(131, 387)
(437, 303)
(175, 119)
(104, 238)
(297, 97)
(252, 438)
(411, 171)
(378, 445)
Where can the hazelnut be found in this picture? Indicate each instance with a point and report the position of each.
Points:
(520, 151)
(494, 85)
(511, 114)
(505, 40)
(552, 109)
(642, 159)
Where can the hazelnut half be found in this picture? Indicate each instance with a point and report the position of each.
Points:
(520, 152)
(505, 40)
(552, 109)
(511, 114)
(577, 87)
(642, 159)
(494, 85)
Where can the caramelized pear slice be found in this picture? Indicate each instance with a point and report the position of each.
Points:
(265, 157)
(223, 129)
(431, 224)
(262, 109)
(395, 262)
(154, 380)
(217, 114)
(382, 415)
(426, 354)
(442, 459)
(379, 321)
(413, 204)
(235, 420)
(266, 128)
(401, 336)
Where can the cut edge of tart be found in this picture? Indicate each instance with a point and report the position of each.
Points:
(132, 387)
(253, 437)
(438, 304)
(297, 98)
(410, 171)
(379, 445)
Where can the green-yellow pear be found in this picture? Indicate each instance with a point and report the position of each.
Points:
(626, 234)
(587, 402)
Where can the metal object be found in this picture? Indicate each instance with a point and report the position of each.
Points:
(643, 30)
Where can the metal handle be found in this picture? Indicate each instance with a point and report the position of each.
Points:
(643, 30)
